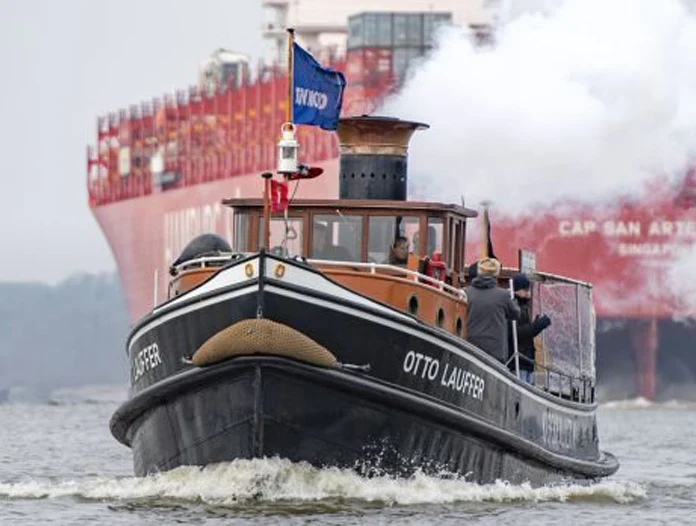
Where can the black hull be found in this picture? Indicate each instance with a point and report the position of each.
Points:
(469, 417)
(277, 407)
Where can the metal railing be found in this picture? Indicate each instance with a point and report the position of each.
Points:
(204, 261)
(566, 386)
(210, 261)
(412, 274)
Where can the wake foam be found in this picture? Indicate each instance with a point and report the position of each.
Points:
(278, 480)
(643, 403)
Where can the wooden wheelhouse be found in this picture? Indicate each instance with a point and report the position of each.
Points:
(373, 247)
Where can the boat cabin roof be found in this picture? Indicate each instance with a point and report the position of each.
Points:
(360, 205)
(369, 231)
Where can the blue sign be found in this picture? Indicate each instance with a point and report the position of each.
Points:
(317, 92)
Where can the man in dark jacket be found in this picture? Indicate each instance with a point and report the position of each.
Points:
(527, 329)
(489, 310)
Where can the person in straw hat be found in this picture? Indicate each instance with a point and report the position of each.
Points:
(489, 311)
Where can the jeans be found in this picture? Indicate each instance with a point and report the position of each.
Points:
(527, 376)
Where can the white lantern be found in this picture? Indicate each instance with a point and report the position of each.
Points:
(287, 150)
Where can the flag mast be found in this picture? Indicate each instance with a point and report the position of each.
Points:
(268, 183)
(486, 231)
(291, 56)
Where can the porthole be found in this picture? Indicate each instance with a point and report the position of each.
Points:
(413, 305)
(440, 320)
(458, 327)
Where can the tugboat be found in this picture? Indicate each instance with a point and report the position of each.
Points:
(335, 332)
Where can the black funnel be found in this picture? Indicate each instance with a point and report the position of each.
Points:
(374, 157)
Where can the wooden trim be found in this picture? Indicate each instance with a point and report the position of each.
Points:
(397, 292)
(346, 271)
(360, 204)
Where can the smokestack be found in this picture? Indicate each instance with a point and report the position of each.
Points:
(374, 157)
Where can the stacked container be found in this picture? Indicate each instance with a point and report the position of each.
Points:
(382, 46)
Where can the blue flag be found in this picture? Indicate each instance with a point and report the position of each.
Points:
(317, 92)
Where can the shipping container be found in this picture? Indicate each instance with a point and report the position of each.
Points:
(386, 67)
(369, 66)
(408, 30)
(373, 30)
(432, 22)
(405, 59)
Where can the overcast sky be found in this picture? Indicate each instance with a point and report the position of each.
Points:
(62, 63)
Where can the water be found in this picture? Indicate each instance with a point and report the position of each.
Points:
(60, 465)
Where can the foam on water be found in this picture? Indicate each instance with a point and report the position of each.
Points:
(643, 403)
(278, 480)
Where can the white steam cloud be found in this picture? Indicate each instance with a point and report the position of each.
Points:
(587, 102)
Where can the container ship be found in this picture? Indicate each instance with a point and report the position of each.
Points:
(160, 169)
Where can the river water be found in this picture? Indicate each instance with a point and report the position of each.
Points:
(60, 465)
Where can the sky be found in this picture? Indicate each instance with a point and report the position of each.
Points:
(63, 63)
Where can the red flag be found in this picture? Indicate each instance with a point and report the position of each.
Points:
(279, 196)
(306, 172)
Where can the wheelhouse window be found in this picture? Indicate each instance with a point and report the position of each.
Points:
(436, 230)
(391, 239)
(285, 239)
(240, 229)
(337, 237)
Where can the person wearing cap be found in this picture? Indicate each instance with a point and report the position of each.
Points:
(527, 329)
(490, 309)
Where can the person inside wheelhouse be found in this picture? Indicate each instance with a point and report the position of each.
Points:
(398, 253)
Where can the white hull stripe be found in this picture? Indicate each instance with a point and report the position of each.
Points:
(311, 281)
(253, 289)
(224, 278)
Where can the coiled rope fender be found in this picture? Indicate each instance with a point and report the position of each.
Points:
(262, 336)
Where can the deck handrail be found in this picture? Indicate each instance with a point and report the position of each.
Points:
(585, 383)
(374, 267)
(201, 261)
(205, 261)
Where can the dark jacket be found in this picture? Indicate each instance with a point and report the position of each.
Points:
(527, 330)
(489, 310)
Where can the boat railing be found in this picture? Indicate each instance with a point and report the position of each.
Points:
(412, 275)
(203, 262)
(373, 268)
(559, 383)
(564, 385)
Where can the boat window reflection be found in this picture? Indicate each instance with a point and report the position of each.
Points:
(293, 244)
(240, 227)
(391, 239)
(337, 237)
(435, 235)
